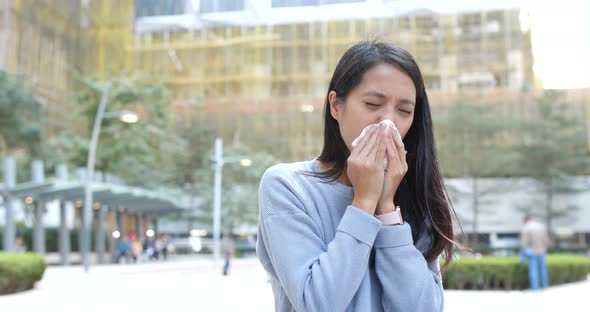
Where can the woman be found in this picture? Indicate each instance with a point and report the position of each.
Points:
(329, 235)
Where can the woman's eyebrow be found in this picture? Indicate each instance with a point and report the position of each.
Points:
(375, 94)
(407, 101)
(383, 96)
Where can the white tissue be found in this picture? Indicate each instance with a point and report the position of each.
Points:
(386, 122)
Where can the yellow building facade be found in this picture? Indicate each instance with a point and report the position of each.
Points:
(245, 73)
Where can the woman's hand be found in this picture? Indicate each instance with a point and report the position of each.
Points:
(395, 172)
(365, 169)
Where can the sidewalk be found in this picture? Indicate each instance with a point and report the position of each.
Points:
(563, 298)
(185, 285)
(74, 258)
(195, 284)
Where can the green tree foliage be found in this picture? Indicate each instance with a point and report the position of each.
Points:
(554, 149)
(20, 119)
(239, 201)
(474, 142)
(142, 153)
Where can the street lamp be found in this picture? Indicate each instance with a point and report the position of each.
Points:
(218, 161)
(124, 116)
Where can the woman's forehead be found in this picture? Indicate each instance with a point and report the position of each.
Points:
(384, 81)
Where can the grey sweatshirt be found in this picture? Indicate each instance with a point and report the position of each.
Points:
(323, 254)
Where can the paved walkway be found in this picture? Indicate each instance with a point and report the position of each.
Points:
(197, 285)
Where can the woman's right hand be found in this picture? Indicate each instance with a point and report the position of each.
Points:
(365, 168)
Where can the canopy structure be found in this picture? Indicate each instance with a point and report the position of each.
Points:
(129, 198)
(118, 211)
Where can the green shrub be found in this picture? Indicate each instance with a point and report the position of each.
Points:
(506, 273)
(51, 238)
(19, 272)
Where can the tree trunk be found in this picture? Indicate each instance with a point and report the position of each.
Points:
(549, 206)
(475, 208)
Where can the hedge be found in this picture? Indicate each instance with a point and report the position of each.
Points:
(20, 271)
(507, 273)
(486, 250)
(51, 238)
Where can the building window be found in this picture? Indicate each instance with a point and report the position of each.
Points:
(296, 3)
(157, 8)
(210, 6)
(338, 1)
(292, 3)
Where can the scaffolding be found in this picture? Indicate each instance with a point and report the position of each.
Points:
(246, 71)
(244, 77)
(48, 44)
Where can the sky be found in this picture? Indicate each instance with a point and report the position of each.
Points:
(560, 32)
(561, 42)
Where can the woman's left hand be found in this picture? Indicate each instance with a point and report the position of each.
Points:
(395, 172)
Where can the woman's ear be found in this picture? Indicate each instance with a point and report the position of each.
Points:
(335, 105)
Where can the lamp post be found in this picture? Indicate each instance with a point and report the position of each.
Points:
(218, 161)
(125, 116)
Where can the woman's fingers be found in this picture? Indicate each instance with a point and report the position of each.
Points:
(375, 135)
(373, 147)
(379, 150)
(363, 142)
(392, 157)
(401, 150)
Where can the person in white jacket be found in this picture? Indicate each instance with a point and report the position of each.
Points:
(535, 242)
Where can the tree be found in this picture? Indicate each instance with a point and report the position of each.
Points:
(473, 144)
(20, 119)
(198, 135)
(554, 149)
(239, 200)
(140, 153)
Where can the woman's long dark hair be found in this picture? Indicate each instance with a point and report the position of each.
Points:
(422, 194)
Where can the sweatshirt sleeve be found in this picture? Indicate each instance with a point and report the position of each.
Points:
(315, 276)
(409, 283)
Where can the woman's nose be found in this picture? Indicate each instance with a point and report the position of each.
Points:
(388, 114)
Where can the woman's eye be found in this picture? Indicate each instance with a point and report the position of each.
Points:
(407, 112)
(373, 104)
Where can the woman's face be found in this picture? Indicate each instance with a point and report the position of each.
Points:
(385, 92)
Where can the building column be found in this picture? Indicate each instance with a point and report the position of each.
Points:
(64, 235)
(582, 238)
(100, 233)
(9, 170)
(155, 224)
(132, 223)
(111, 226)
(78, 225)
(125, 223)
(119, 216)
(139, 225)
(146, 223)
(38, 176)
(9, 225)
(38, 227)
